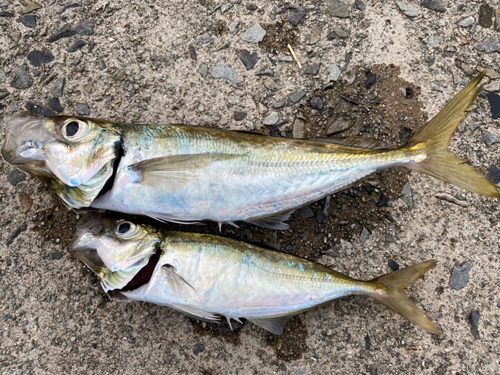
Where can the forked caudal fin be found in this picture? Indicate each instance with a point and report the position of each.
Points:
(389, 292)
(435, 137)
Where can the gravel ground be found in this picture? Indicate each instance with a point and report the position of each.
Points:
(227, 64)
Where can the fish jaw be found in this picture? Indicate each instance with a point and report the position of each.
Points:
(25, 135)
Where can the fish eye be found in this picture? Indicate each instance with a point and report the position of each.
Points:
(74, 129)
(126, 229)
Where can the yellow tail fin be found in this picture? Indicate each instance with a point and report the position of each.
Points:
(436, 136)
(389, 292)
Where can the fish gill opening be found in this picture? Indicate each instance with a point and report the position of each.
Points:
(120, 152)
(144, 275)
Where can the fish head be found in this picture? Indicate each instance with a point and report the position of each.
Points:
(114, 249)
(73, 155)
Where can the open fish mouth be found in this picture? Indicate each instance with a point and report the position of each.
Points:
(84, 244)
(25, 135)
(93, 236)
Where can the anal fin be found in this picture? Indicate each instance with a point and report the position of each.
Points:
(274, 221)
(273, 324)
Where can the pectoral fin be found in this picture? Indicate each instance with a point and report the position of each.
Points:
(173, 172)
(177, 282)
(272, 324)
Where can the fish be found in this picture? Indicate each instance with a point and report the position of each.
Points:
(190, 174)
(209, 277)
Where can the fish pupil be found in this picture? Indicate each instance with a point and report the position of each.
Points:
(72, 128)
(123, 228)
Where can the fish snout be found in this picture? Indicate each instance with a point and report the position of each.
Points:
(88, 229)
(25, 135)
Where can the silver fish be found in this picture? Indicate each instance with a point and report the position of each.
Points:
(187, 174)
(206, 276)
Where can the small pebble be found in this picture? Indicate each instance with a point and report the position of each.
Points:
(435, 5)
(83, 109)
(39, 109)
(29, 21)
(224, 71)
(37, 58)
(15, 177)
(317, 103)
(406, 196)
(339, 125)
(486, 15)
(490, 139)
(255, 34)
(320, 216)
(334, 72)
(203, 70)
(359, 5)
(382, 201)
(365, 234)
(494, 174)
(55, 105)
(21, 79)
(468, 21)
(58, 87)
(296, 96)
(295, 16)
(488, 45)
(286, 58)
(299, 129)
(370, 80)
(393, 265)
(474, 322)
(312, 69)
(460, 276)
(85, 28)
(233, 26)
(272, 119)
(65, 32)
(239, 115)
(76, 46)
(494, 100)
(249, 59)
(338, 9)
(266, 72)
(306, 212)
(408, 10)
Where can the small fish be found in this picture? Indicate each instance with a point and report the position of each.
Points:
(207, 277)
(188, 174)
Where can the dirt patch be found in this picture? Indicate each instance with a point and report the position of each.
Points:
(278, 37)
(56, 224)
(292, 343)
(219, 330)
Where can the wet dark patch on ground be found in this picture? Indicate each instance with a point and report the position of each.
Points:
(56, 224)
(278, 37)
(292, 343)
(219, 330)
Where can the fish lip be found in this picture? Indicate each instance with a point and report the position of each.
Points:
(24, 132)
(88, 229)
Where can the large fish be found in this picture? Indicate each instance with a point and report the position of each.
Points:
(206, 276)
(187, 174)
